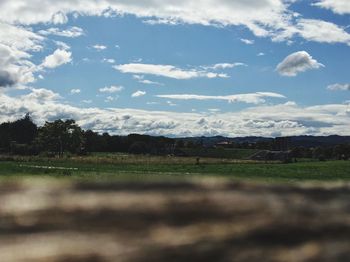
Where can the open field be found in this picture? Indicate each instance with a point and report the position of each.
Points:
(115, 166)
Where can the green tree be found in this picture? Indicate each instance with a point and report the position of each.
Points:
(24, 130)
(60, 136)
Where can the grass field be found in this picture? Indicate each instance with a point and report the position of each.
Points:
(227, 153)
(120, 167)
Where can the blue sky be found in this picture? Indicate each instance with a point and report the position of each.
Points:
(176, 68)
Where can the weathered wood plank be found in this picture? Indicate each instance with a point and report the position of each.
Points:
(185, 221)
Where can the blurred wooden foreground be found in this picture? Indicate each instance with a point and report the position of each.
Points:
(173, 221)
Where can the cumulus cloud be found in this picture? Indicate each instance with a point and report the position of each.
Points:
(111, 89)
(341, 87)
(15, 68)
(313, 30)
(99, 47)
(261, 120)
(138, 93)
(41, 94)
(19, 38)
(322, 31)
(337, 6)
(59, 18)
(75, 91)
(296, 63)
(256, 15)
(167, 71)
(247, 41)
(253, 98)
(58, 58)
(268, 18)
(71, 32)
(16, 44)
(6, 79)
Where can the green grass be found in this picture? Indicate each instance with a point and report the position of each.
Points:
(221, 152)
(144, 168)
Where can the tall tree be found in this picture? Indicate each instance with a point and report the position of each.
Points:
(61, 136)
(23, 131)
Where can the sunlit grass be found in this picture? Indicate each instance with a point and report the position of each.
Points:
(129, 167)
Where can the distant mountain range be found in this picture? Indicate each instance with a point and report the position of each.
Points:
(306, 141)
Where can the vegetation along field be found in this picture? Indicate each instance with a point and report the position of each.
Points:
(62, 149)
(116, 166)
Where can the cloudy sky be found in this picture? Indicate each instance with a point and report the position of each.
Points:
(179, 68)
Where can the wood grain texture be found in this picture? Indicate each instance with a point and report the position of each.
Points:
(173, 221)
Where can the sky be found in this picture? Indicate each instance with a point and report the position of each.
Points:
(179, 68)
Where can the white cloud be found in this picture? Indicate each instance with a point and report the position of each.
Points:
(41, 94)
(138, 94)
(322, 31)
(337, 6)
(59, 18)
(296, 63)
(99, 47)
(15, 67)
(160, 21)
(261, 54)
(265, 18)
(262, 120)
(62, 45)
(19, 38)
(313, 30)
(149, 82)
(247, 41)
(108, 60)
(256, 15)
(167, 71)
(141, 79)
(224, 66)
(341, 87)
(111, 99)
(111, 89)
(171, 103)
(71, 32)
(58, 58)
(253, 98)
(16, 44)
(75, 91)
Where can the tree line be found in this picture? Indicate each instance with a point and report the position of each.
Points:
(24, 137)
(60, 137)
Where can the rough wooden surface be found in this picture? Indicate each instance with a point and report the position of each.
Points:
(188, 221)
